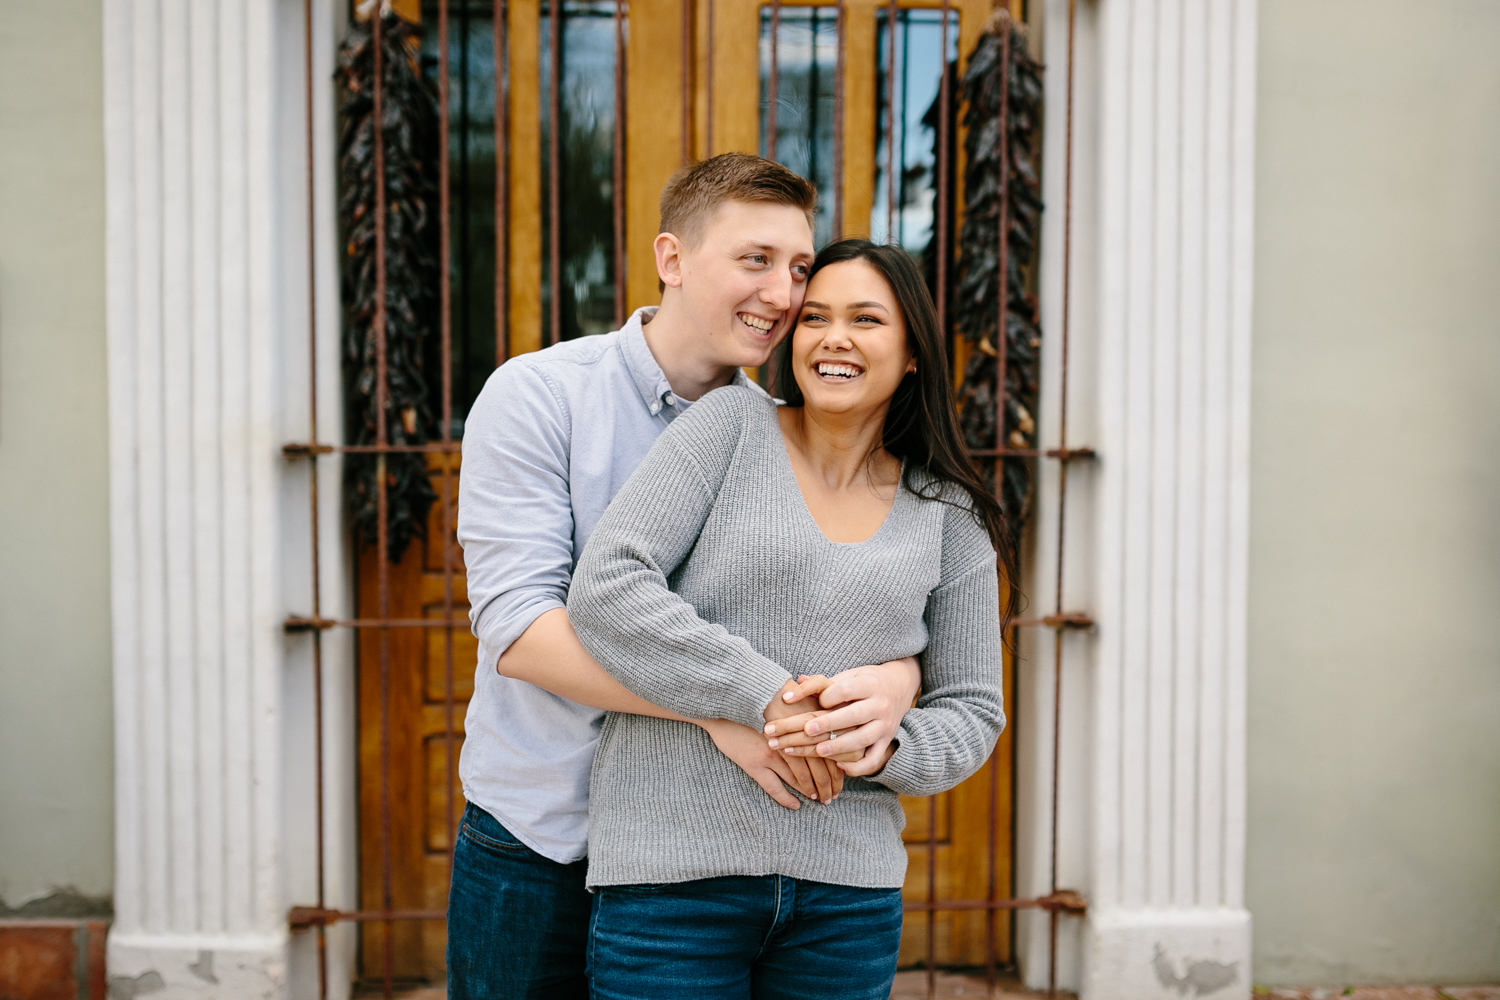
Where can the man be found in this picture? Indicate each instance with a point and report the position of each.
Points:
(550, 440)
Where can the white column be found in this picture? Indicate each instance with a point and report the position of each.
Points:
(196, 431)
(1153, 775)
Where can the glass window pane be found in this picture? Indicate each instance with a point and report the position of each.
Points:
(807, 58)
(471, 180)
(586, 166)
(918, 75)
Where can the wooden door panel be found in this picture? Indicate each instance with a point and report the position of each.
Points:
(465, 654)
(435, 752)
(919, 817)
(419, 718)
(962, 854)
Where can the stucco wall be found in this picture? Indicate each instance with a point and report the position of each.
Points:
(56, 773)
(1374, 651)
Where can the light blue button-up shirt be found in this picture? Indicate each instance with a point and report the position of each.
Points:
(550, 440)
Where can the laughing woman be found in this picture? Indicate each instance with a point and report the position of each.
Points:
(759, 541)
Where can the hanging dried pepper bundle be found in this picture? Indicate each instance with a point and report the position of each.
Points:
(409, 129)
(976, 297)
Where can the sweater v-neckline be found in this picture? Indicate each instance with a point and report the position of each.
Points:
(791, 473)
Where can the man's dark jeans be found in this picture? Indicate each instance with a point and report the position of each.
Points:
(517, 922)
(744, 937)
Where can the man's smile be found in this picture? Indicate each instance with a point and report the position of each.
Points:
(757, 323)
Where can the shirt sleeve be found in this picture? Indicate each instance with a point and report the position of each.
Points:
(952, 730)
(621, 606)
(515, 511)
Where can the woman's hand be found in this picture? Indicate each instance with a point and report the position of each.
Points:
(828, 781)
(819, 780)
(856, 716)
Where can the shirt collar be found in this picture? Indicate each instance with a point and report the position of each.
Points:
(647, 375)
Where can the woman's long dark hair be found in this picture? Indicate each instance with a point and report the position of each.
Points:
(921, 427)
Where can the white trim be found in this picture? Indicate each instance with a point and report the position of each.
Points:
(1153, 767)
(1167, 953)
(193, 966)
(205, 240)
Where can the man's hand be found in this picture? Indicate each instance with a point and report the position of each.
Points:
(768, 769)
(863, 707)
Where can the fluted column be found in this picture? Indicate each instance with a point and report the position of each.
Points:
(195, 434)
(1152, 814)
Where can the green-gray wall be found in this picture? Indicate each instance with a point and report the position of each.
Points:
(56, 743)
(1374, 638)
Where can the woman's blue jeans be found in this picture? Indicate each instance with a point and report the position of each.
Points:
(743, 937)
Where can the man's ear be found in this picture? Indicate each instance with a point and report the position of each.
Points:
(669, 254)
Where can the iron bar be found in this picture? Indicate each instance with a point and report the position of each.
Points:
(708, 84)
(299, 624)
(466, 262)
(554, 167)
(1065, 901)
(304, 917)
(312, 489)
(1002, 135)
(905, 42)
(1062, 492)
(502, 183)
(300, 450)
(445, 334)
(940, 228)
(687, 82)
(1064, 454)
(1067, 620)
(990, 900)
(839, 27)
(774, 85)
(617, 180)
(382, 511)
(1002, 337)
(1002, 252)
(932, 905)
(892, 18)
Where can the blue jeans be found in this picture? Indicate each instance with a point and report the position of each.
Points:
(517, 922)
(742, 937)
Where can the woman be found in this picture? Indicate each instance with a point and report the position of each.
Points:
(757, 542)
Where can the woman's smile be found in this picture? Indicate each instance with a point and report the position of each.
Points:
(837, 371)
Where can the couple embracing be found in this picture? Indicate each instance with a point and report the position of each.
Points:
(704, 616)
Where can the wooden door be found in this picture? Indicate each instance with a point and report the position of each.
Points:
(966, 835)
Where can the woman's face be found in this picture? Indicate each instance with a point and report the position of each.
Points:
(849, 350)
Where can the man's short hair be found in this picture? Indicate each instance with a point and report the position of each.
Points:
(694, 193)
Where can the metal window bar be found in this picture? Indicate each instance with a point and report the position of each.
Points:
(318, 917)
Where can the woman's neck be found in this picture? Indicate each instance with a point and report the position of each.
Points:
(840, 450)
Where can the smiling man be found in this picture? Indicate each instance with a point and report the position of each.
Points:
(548, 443)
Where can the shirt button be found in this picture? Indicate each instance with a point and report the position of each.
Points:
(655, 407)
(671, 399)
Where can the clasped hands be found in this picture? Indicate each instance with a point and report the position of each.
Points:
(820, 730)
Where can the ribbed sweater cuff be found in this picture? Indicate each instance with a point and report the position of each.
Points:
(758, 688)
(903, 774)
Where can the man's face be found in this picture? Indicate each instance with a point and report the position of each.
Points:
(742, 284)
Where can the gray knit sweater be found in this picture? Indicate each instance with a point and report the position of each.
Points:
(704, 587)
